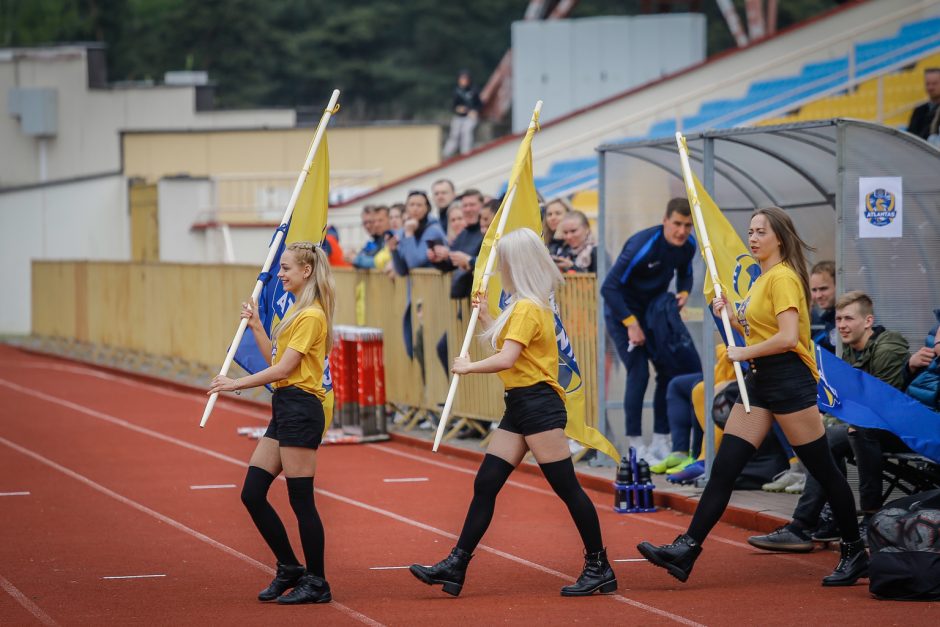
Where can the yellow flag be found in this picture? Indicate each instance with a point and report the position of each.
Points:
(308, 224)
(525, 213)
(737, 269)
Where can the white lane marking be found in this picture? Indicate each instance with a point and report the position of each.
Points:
(27, 604)
(388, 567)
(327, 493)
(133, 576)
(632, 559)
(14, 493)
(171, 522)
(218, 486)
(232, 406)
(406, 480)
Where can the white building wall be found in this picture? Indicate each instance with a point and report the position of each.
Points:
(79, 220)
(90, 120)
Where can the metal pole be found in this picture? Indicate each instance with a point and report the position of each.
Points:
(708, 331)
(602, 264)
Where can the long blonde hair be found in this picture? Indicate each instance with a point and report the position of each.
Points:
(320, 289)
(527, 272)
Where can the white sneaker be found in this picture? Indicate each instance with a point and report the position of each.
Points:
(784, 480)
(797, 487)
(659, 448)
(636, 441)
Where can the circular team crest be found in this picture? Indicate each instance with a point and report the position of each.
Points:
(746, 271)
(880, 207)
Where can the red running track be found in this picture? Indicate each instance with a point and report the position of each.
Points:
(109, 463)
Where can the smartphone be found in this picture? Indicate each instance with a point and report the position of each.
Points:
(435, 242)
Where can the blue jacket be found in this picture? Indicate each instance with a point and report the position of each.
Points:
(366, 256)
(823, 328)
(643, 271)
(668, 340)
(412, 252)
(469, 241)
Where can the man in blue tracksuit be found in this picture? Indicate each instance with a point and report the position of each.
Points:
(645, 268)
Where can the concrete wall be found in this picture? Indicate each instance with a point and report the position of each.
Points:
(79, 220)
(87, 140)
(392, 151)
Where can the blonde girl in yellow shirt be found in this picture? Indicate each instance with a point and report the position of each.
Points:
(526, 360)
(781, 385)
(301, 342)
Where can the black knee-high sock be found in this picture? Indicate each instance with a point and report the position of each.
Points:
(817, 457)
(255, 498)
(300, 491)
(564, 482)
(492, 475)
(732, 456)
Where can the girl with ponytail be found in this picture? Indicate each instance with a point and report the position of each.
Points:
(296, 353)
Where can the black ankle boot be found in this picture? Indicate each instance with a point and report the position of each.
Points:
(678, 557)
(286, 578)
(310, 589)
(450, 571)
(853, 564)
(597, 575)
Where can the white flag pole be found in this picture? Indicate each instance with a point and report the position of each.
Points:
(710, 260)
(475, 314)
(275, 244)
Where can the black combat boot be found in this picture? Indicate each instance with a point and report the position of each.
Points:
(678, 558)
(853, 564)
(450, 571)
(597, 575)
(310, 589)
(286, 578)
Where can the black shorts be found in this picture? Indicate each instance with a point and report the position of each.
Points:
(297, 418)
(782, 384)
(533, 409)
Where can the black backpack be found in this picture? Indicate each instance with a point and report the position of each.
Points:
(904, 539)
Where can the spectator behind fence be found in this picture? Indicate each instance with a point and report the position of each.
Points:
(822, 287)
(461, 255)
(925, 119)
(396, 216)
(882, 354)
(466, 108)
(924, 367)
(645, 268)
(487, 214)
(579, 252)
(333, 249)
(455, 222)
(421, 230)
(365, 258)
(555, 210)
(443, 194)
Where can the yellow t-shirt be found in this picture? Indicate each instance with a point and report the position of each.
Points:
(306, 334)
(533, 327)
(774, 292)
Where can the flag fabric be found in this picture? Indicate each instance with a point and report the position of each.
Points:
(307, 224)
(861, 400)
(525, 213)
(850, 394)
(737, 269)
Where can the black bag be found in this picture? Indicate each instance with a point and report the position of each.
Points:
(904, 538)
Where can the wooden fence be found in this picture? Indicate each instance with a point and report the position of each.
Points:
(189, 312)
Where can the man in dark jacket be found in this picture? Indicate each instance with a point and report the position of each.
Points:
(646, 266)
(882, 354)
(822, 287)
(466, 108)
(925, 119)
